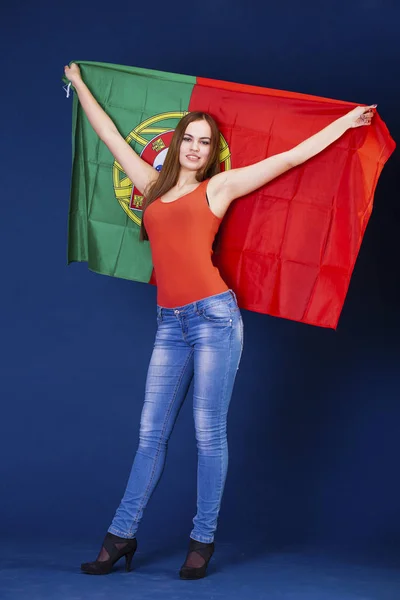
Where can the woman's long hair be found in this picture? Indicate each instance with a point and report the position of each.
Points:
(170, 171)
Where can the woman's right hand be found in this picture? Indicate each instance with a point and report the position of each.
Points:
(72, 73)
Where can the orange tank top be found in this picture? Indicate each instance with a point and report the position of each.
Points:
(181, 234)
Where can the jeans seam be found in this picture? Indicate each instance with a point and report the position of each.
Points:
(205, 539)
(241, 340)
(117, 531)
(226, 425)
(232, 310)
(226, 436)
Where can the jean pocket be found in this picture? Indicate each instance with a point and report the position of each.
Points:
(218, 313)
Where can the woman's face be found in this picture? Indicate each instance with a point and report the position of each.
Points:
(195, 145)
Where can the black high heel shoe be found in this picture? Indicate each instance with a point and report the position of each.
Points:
(197, 559)
(114, 548)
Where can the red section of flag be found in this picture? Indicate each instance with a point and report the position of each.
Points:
(289, 248)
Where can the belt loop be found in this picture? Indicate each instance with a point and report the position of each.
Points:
(233, 295)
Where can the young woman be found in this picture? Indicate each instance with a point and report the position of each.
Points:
(200, 328)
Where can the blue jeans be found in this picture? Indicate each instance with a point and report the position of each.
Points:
(204, 340)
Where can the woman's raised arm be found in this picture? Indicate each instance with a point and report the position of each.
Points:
(238, 182)
(139, 172)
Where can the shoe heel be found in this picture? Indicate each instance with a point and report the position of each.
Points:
(128, 561)
(116, 547)
(206, 551)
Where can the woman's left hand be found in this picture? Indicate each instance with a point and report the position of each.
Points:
(362, 115)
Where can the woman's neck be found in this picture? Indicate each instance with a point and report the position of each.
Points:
(186, 179)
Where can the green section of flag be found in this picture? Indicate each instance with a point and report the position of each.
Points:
(100, 230)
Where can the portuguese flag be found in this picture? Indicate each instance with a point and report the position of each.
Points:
(289, 248)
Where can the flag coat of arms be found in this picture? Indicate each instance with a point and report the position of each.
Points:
(289, 248)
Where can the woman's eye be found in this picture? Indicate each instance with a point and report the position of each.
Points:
(188, 139)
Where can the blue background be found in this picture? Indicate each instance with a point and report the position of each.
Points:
(314, 419)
